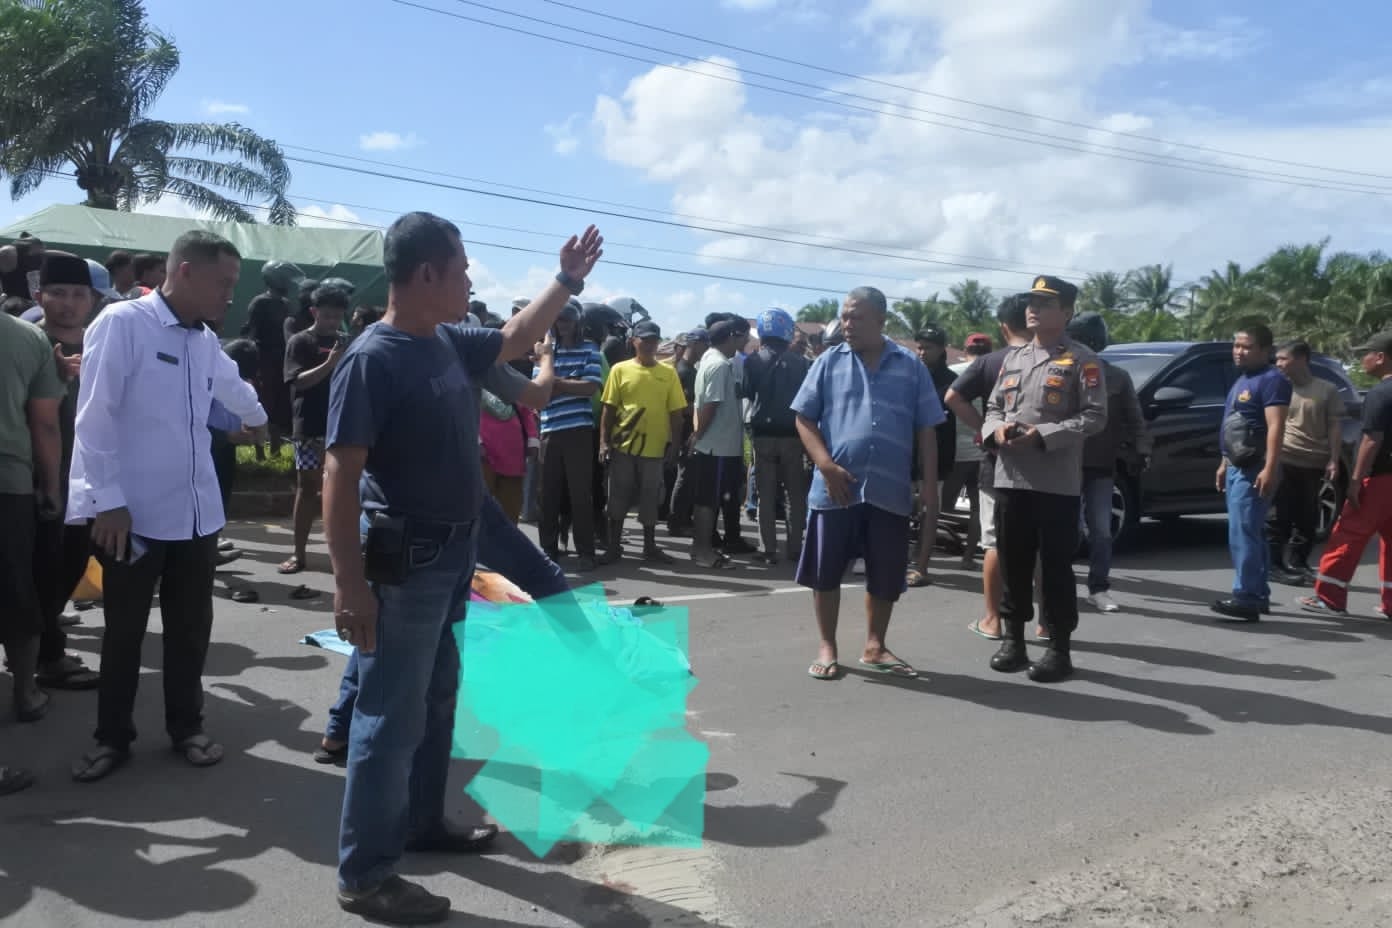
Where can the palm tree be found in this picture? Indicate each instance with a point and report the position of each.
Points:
(1296, 287)
(823, 311)
(974, 303)
(907, 317)
(1359, 303)
(1101, 293)
(80, 78)
(1150, 289)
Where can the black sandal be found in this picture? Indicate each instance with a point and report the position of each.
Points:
(199, 751)
(67, 673)
(14, 779)
(100, 763)
(337, 756)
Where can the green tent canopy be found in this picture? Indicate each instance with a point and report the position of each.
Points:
(353, 254)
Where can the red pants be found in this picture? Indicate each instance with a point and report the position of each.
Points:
(1356, 526)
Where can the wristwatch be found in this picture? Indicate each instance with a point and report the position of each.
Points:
(576, 287)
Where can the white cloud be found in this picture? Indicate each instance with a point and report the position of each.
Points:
(565, 136)
(1229, 38)
(223, 108)
(935, 190)
(749, 5)
(388, 141)
(337, 216)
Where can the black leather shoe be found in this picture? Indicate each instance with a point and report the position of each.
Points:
(1052, 667)
(396, 902)
(1011, 658)
(1287, 577)
(1233, 611)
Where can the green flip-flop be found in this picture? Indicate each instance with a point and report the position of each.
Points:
(893, 668)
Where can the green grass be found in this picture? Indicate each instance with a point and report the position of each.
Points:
(274, 473)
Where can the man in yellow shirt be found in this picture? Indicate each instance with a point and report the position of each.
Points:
(643, 407)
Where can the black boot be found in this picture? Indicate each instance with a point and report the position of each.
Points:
(1056, 664)
(613, 549)
(1012, 656)
(1280, 572)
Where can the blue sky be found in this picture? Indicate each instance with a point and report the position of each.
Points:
(374, 79)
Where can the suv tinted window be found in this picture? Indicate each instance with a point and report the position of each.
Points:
(1206, 378)
(1324, 372)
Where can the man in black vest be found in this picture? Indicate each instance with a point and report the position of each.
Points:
(772, 378)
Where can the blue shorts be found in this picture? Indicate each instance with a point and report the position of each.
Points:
(837, 537)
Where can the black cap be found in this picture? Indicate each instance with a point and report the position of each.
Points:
(933, 335)
(647, 329)
(60, 267)
(1382, 342)
(728, 328)
(1045, 285)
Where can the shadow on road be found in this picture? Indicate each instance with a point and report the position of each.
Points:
(1198, 660)
(1047, 701)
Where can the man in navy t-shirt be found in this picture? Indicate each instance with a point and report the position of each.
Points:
(1254, 426)
(402, 439)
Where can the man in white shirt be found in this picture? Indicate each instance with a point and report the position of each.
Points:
(142, 473)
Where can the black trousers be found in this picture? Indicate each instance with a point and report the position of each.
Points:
(60, 559)
(184, 570)
(20, 615)
(1038, 527)
(567, 465)
(1295, 515)
(224, 464)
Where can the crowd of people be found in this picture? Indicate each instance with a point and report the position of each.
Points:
(430, 430)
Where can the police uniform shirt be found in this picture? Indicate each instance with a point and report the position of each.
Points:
(1062, 393)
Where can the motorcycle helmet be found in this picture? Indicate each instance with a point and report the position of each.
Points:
(630, 310)
(1089, 329)
(598, 322)
(831, 335)
(775, 323)
(339, 283)
(281, 276)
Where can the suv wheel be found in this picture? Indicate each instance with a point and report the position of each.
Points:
(1331, 500)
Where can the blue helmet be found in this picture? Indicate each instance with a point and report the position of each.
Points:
(776, 323)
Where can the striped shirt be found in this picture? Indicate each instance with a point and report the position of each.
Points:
(870, 421)
(583, 362)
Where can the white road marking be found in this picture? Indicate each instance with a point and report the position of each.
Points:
(702, 597)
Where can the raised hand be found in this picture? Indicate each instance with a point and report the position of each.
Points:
(579, 255)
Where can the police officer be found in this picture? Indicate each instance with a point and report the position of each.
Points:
(1050, 397)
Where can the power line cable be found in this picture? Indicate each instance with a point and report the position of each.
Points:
(1022, 136)
(961, 100)
(648, 219)
(1007, 267)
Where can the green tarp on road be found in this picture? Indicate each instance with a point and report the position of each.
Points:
(353, 254)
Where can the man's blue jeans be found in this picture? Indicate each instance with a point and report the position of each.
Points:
(1097, 512)
(404, 711)
(502, 548)
(1247, 512)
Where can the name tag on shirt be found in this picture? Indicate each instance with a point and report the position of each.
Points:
(167, 358)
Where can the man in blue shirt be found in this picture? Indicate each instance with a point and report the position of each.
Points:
(864, 406)
(1254, 427)
(403, 446)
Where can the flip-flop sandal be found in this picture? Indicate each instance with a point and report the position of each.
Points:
(658, 557)
(291, 566)
(916, 578)
(68, 673)
(14, 779)
(1317, 606)
(200, 751)
(893, 668)
(975, 628)
(718, 562)
(1045, 636)
(33, 711)
(245, 596)
(99, 764)
(336, 756)
(304, 592)
(824, 670)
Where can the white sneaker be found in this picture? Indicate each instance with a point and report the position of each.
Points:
(1103, 602)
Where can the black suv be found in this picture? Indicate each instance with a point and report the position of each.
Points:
(1182, 388)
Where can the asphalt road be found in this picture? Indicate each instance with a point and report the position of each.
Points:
(1192, 774)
